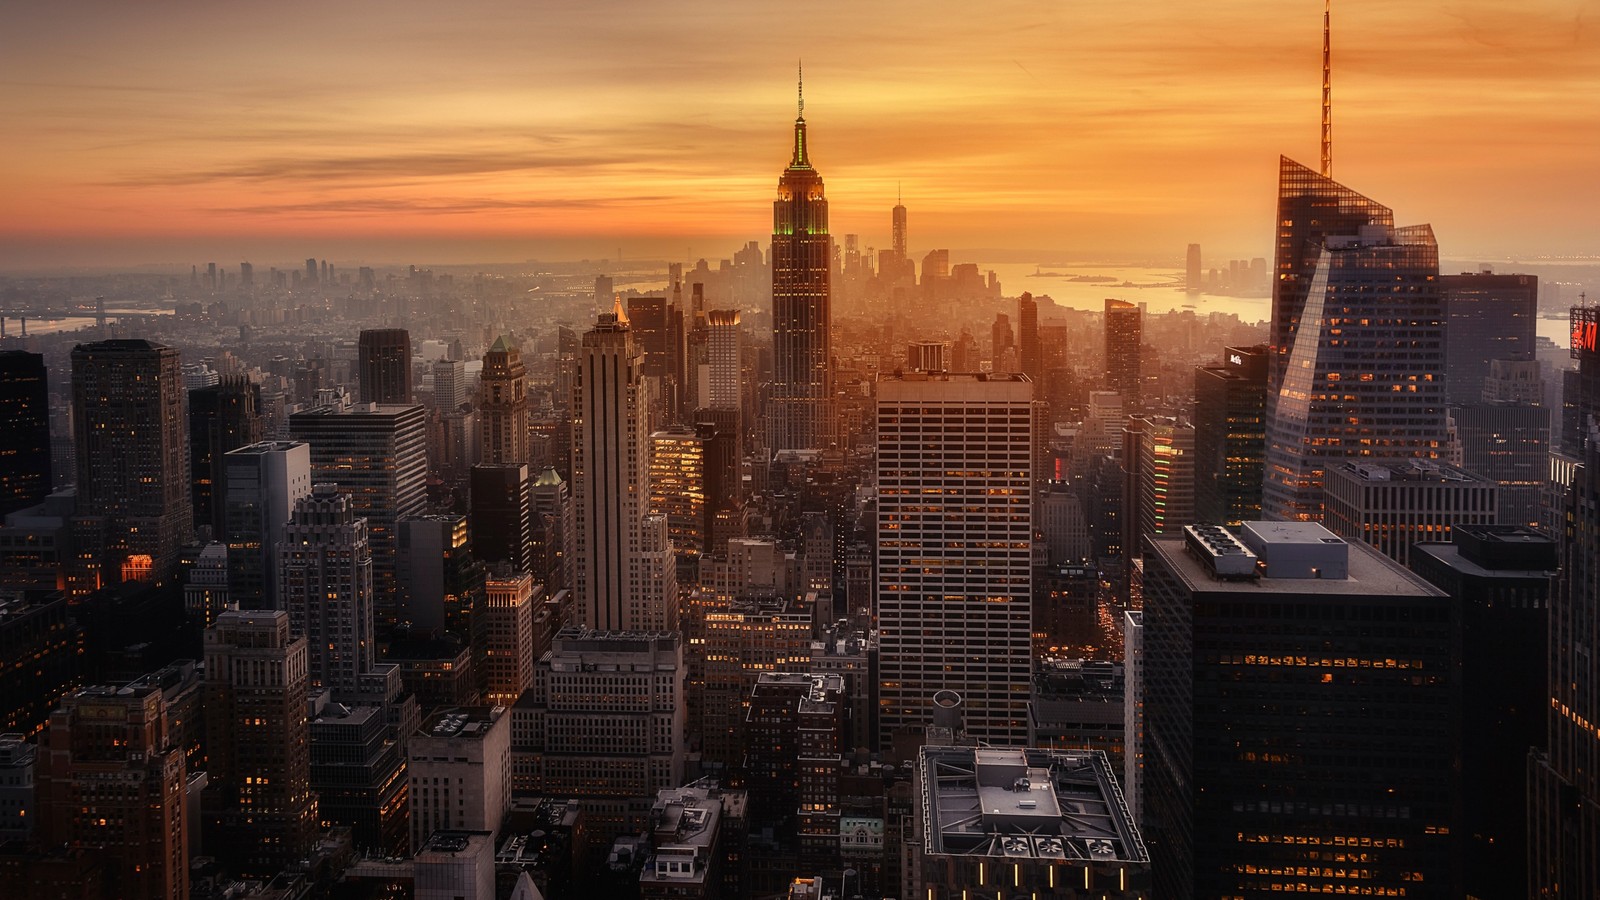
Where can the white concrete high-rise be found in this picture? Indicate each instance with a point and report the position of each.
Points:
(954, 549)
(625, 577)
(263, 483)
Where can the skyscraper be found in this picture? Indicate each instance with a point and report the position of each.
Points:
(111, 751)
(1230, 436)
(503, 405)
(325, 584)
(133, 459)
(1300, 707)
(1191, 280)
(222, 417)
(1564, 781)
(624, 576)
(261, 484)
(802, 382)
(25, 439)
(1358, 341)
(384, 356)
(1489, 317)
(507, 636)
(1124, 332)
(1028, 338)
(260, 812)
(377, 455)
(954, 548)
(502, 515)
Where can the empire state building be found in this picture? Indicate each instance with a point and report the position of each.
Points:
(798, 416)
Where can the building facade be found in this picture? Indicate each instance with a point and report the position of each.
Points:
(798, 412)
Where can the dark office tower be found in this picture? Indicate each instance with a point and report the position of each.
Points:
(1505, 437)
(1191, 279)
(222, 417)
(110, 779)
(1124, 333)
(954, 554)
(325, 585)
(503, 405)
(500, 511)
(133, 466)
(260, 814)
(25, 439)
(385, 365)
(604, 291)
(311, 270)
(1564, 782)
(1580, 391)
(1230, 435)
(1499, 576)
(1358, 331)
(261, 483)
(1001, 338)
(1028, 338)
(1487, 317)
(1297, 713)
(440, 581)
(647, 319)
(378, 456)
(553, 555)
(247, 275)
(624, 566)
(798, 411)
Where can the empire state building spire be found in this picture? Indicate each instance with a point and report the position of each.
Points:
(799, 160)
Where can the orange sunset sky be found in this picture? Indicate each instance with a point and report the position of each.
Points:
(178, 131)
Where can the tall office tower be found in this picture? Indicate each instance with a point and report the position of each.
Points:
(678, 491)
(724, 387)
(954, 588)
(501, 514)
(647, 319)
(1506, 438)
(205, 593)
(384, 357)
(608, 715)
(1230, 436)
(897, 231)
(1564, 781)
(260, 813)
(458, 766)
(506, 660)
(1358, 341)
(1124, 333)
(553, 554)
(439, 580)
(1165, 477)
(624, 575)
(110, 779)
(223, 417)
(325, 584)
(1133, 693)
(604, 291)
(1487, 317)
(1499, 576)
(261, 484)
(1301, 703)
(25, 441)
(1192, 277)
(802, 378)
(1580, 391)
(43, 648)
(449, 384)
(1028, 338)
(17, 810)
(378, 456)
(1393, 505)
(133, 466)
(796, 732)
(1001, 338)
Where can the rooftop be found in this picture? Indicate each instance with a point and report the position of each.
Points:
(1367, 573)
(1025, 804)
(463, 721)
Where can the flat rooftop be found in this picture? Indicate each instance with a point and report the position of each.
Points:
(463, 722)
(1025, 804)
(1369, 572)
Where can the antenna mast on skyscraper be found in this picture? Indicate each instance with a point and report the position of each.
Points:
(801, 86)
(1327, 94)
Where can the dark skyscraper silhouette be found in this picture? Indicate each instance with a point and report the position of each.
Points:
(25, 439)
(1028, 338)
(133, 486)
(222, 417)
(801, 258)
(1124, 332)
(385, 360)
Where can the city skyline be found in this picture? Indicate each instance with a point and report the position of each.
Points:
(161, 137)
